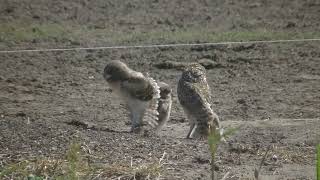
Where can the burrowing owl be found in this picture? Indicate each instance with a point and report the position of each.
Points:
(139, 92)
(164, 107)
(194, 96)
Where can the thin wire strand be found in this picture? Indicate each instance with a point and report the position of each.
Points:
(157, 45)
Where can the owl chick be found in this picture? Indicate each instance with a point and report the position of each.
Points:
(165, 102)
(139, 92)
(194, 96)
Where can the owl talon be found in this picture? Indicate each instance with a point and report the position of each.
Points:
(136, 130)
(203, 138)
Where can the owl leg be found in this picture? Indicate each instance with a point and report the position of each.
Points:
(202, 131)
(136, 120)
(192, 124)
(192, 130)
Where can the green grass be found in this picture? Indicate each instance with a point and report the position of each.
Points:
(74, 166)
(71, 167)
(81, 34)
(214, 140)
(20, 32)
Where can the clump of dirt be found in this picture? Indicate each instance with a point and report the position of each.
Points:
(207, 63)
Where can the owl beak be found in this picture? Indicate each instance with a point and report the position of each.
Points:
(107, 76)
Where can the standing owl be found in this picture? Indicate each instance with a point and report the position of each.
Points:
(139, 92)
(194, 96)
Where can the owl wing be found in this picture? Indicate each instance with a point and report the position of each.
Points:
(152, 114)
(137, 88)
(196, 99)
(144, 89)
(192, 95)
(164, 105)
(164, 110)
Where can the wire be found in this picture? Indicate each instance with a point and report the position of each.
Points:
(156, 45)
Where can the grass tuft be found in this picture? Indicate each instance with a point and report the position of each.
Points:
(214, 140)
(33, 32)
(74, 167)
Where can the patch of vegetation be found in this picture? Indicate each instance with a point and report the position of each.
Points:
(84, 35)
(74, 166)
(32, 32)
(214, 140)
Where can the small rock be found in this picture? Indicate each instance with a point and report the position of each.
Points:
(243, 47)
(254, 5)
(241, 101)
(201, 160)
(170, 65)
(209, 64)
(21, 114)
(275, 157)
(10, 80)
(9, 10)
(291, 25)
(36, 17)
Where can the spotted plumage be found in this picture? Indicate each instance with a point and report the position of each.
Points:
(195, 98)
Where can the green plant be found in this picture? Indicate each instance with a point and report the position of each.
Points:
(75, 163)
(73, 166)
(214, 139)
(43, 168)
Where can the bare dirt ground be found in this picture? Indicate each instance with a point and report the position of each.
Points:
(271, 90)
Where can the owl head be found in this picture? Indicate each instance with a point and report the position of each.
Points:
(116, 71)
(194, 73)
(165, 90)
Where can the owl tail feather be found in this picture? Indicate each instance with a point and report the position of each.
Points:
(151, 115)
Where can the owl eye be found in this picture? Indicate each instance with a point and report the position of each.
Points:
(197, 73)
(107, 76)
